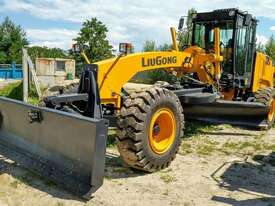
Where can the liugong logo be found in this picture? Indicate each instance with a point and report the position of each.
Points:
(158, 61)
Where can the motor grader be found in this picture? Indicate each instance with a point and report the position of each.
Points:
(221, 78)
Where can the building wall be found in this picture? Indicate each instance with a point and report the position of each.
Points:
(48, 74)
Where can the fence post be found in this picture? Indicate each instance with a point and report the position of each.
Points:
(13, 68)
(25, 75)
(34, 77)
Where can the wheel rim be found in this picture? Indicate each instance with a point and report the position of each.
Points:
(162, 130)
(271, 112)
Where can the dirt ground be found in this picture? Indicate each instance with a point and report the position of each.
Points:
(217, 165)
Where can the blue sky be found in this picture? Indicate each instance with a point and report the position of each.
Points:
(54, 23)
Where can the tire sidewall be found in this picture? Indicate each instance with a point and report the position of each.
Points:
(163, 102)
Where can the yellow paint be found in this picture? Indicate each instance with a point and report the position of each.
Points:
(271, 113)
(174, 39)
(114, 73)
(86, 58)
(263, 72)
(217, 53)
(162, 131)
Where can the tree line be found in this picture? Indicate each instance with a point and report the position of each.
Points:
(185, 37)
(93, 34)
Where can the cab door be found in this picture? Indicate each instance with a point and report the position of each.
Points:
(244, 52)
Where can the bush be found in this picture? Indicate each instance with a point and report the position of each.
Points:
(15, 91)
(161, 75)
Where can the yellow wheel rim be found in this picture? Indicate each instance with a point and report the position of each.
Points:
(271, 112)
(162, 130)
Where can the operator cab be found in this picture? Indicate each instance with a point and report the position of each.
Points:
(237, 42)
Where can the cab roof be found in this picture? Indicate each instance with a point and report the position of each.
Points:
(223, 15)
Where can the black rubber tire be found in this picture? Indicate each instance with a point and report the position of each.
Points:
(265, 96)
(132, 128)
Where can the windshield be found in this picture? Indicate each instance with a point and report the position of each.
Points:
(204, 38)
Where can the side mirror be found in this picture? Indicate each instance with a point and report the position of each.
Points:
(125, 48)
(181, 23)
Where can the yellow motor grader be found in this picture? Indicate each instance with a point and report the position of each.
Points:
(221, 78)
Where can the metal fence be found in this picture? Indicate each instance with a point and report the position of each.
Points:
(11, 71)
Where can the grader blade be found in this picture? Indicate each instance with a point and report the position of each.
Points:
(248, 114)
(66, 148)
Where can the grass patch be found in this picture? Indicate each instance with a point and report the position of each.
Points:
(199, 145)
(29, 179)
(111, 140)
(165, 171)
(205, 146)
(60, 204)
(14, 184)
(255, 145)
(196, 128)
(205, 150)
(168, 178)
(227, 126)
(121, 170)
(166, 193)
(271, 147)
(15, 91)
(231, 145)
(252, 146)
(186, 148)
(24, 179)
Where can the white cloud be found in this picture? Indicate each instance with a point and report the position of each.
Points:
(51, 38)
(261, 39)
(272, 28)
(132, 20)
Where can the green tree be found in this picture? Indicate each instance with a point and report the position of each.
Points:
(45, 52)
(159, 74)
(164, 47)
(270, 48)
(12, 39)
(94, 34)
(149, 46)
(185, 35)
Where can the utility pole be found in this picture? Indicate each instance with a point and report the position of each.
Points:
(25, 75)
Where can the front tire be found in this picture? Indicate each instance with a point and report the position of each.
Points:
(266, 97)
(150, 127)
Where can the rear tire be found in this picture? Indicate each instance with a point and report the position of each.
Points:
(266, 97)
(136, 143)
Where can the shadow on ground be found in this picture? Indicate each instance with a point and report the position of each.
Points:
(255, 177)
(24, 176)
(265, 201)
(114, 169)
